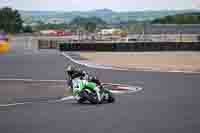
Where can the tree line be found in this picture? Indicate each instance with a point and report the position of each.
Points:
(187, 18)
(89, 24)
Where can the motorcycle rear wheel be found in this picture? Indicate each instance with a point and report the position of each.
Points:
(111, 98)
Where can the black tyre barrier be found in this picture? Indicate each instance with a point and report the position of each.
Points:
(137, 46)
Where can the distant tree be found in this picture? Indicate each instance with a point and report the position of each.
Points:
(168, 19)
(89, 24)
(90, 27)
(43, 26)
(55, 26)
(27, 29)
(10, 20)
(135, 28)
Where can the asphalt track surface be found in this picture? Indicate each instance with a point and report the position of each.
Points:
(168, 103)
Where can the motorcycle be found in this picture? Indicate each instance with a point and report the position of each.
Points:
(88, 94)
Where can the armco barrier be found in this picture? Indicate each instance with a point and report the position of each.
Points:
(136, 46)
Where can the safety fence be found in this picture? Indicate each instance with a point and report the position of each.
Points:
(134, 46)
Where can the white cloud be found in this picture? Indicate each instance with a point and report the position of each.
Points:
(123, 5)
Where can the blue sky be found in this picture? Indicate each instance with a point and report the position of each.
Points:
(117, 5)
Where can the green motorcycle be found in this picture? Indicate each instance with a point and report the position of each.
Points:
(89, 90)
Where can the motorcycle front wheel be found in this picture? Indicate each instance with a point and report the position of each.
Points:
(111, 98)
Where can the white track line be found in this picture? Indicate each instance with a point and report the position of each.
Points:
(178, 71)
(31, 80)
(65, 99)
(127, 92)
(14, 104)
(131, 89)
(124, 84)
(89, 65)
(23, 103)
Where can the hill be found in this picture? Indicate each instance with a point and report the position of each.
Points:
(183, 18)
(107, 15)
